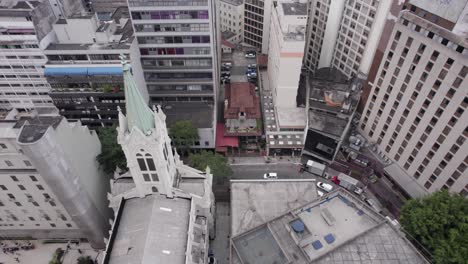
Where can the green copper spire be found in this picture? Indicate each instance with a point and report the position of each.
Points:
(138, 112)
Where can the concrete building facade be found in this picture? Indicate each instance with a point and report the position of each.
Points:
(416, 112)
(257, 15)
(344, 34)
(22, 82)
(286, 50)
(84, 68)
(231, 15)
(180, 48)
(50, 184)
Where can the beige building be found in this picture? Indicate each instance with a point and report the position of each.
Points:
(416, 111)
(344, 34)
(231, 14)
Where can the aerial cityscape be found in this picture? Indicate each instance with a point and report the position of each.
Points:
(233, 131)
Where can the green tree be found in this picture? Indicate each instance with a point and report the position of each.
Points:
(111, 155)
(85, 260)
(439, 222)
(183, 135)
(217, 163)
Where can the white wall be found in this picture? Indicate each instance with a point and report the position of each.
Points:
(331, 33)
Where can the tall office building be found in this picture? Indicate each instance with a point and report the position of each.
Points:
(345, 34)
(257, 15)
(50, 183)
(84, 68)
(416, 112)
(25, 28)
(180, 54)
(22, 82)
(231, 15)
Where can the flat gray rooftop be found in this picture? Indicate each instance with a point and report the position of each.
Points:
(291, 117)
(259, 247)
(152, 230)
(200, 113)
(326, 123)
(34, 128)
(255, 202)
(295, 9)
(90, 47)
(337, 228)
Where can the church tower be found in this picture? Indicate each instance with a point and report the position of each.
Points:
(142, 133)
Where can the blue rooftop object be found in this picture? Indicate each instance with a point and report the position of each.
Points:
(297, 226)
(317, 244)
(82, 71)
(62, 71)
(105, 71)
(309, 210)
(329, 238)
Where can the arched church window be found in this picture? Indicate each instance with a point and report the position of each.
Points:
(154, 189)
(147, 167)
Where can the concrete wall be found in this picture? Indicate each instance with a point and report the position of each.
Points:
(65, 156)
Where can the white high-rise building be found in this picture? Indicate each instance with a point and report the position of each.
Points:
(286, 50)
(345, 34)
(50, 183)
(22, 82)
(231, 15)
(416, 113)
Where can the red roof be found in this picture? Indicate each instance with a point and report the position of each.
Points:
(241, 97)
(221, 141)
(262, 60)
(227, 44)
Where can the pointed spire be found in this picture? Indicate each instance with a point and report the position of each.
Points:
(138, 113)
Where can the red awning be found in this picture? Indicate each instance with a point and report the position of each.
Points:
(223, 141)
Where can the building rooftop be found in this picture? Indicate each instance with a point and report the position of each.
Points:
(90, 47)
(18, 4)
(331, 91)
(199, 113)
(450, 10)
(294, 8)
(241, 97)
(34, 128)
(337, 228)
(327, 123)
(254, 202)
(152, 230)
(291, 117)
(234, 2)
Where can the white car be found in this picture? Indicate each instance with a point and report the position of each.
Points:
(270, 175)
(250, 55)
(320, 193)
(325, 186)
(227, 64)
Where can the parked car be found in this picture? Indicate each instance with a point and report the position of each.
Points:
(250, 54)
(225, 69)
(325, 186)
(270, 175)
(226, 64)
(212, 260)
(225, 74)
(376, 206)
(252, 66)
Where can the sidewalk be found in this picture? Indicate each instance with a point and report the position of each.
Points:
(242, 161)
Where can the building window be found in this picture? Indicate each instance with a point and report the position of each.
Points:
(21, 187)
(8, 163)
(14, 178)
(3, 146)
(40, 187)
(27, 163)
(33, 178)
(147, 167)
(3, 187)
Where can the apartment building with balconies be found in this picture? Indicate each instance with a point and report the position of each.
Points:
(180, 47)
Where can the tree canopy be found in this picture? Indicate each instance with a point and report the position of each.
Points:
(111, 155)
(440, 223)
(217, 163)
(183, 135)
